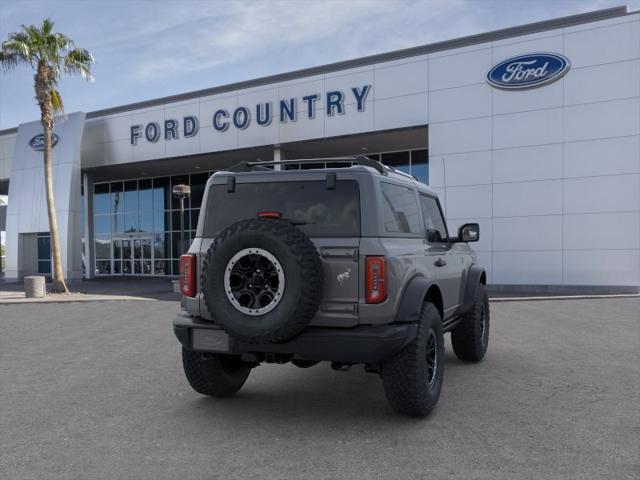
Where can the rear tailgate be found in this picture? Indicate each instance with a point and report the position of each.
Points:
(339, 305)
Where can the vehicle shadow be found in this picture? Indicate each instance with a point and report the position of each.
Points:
(280, 395)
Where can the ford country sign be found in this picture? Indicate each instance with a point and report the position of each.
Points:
(37, 142)
(528, 71)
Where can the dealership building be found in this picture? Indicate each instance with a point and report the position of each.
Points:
(532, 131)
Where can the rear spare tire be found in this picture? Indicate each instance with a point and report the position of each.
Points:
(262, 280)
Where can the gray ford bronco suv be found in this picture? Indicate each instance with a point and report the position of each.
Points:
(351, 264)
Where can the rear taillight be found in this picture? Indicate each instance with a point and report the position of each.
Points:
(276, 215)
(188, 275)
(376, 280)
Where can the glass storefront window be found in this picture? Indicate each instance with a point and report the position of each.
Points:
(101, 198)
(145, 195)
(194, 219)
(161, 194)
(420, 165)
(198, 182)
(160, 221)
(103, 267)
(131, 222)
(131, 196)
(103, 247)
(117, 198)
(102, 224)
(143, 213)
(160, 245)
(146, 222)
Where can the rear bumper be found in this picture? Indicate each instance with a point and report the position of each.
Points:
(361, 344)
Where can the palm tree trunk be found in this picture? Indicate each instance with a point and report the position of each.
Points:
(59, 284)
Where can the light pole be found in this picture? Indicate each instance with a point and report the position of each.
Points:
(182, 192)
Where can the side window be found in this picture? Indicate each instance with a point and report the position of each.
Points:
(433, 221)
(400, 209)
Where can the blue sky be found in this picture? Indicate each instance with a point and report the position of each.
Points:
(152, 48)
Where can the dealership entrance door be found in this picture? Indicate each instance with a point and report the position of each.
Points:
(133, 256)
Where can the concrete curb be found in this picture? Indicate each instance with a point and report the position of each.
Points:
(74, 298)
(561, 297)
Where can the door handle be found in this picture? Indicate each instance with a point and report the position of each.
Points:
(440, 262)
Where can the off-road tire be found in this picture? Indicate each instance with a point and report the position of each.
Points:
(469, 339)
(215, 375)
(303, 272)
(404, 376)
(304, 363)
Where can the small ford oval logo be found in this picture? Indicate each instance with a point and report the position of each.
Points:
(37, 142)
(528, 71)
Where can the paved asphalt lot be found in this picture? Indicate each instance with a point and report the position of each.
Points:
(95, 390)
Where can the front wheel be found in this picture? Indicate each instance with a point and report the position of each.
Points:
(213, 374)
(470, 338)
(412, 379)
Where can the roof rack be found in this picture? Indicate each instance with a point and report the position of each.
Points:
(357, 160)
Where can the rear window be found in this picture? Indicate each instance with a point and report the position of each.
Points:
(321, 212)
(400, 209)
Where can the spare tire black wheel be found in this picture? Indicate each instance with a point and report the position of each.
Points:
(262, 280)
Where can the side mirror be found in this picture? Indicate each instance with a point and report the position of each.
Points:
(469, 232)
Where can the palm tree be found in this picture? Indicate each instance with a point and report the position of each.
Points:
(50, 55)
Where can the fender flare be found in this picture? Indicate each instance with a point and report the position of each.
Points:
(412, 299)
(471, 288)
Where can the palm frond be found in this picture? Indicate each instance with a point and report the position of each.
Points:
(56, 101)
(47, 26)
(8, 60)
(79, 60)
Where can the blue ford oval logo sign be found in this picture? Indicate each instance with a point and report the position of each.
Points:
(528, 71)
(37, 142)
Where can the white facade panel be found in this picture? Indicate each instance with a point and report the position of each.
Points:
(349, 123)
(212, 140)
(344, 82)
(399, 80)
(255, 135)
(117, 127)
(542, 42)
(595, 46)
(527, 268)
(459, 69)
(460, 103)
(117, 152)
(602, 120)
(303, 129)
(615, 193)
(602, 267)
(469, 202)
(527, 198)
(527, 128)
(94, 132)
(505, 101)
(460, 136)
(540, 162)
(397, 112)
(467, 168)
(602, 82)
(597, 231)
(609, 156)
(528, 233)
(27, 209)
(301, 88)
